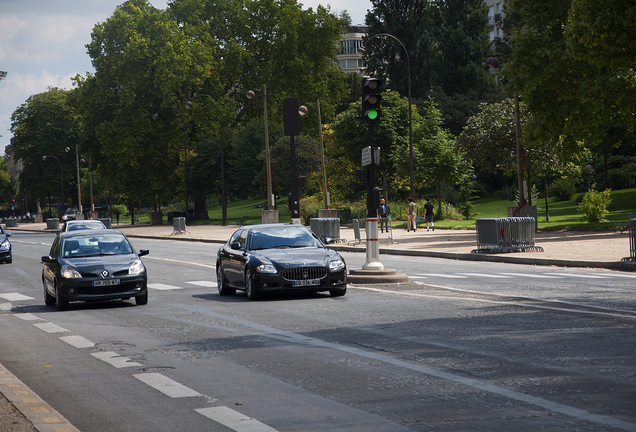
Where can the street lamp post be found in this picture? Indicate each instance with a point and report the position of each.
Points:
(494, 63)
(155, 116)
(61, 179)
(408, 66)
(303, 111)
(79, 182)
(188, 105)
(251, 94)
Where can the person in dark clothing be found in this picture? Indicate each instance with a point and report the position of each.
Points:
(429, 212)
(385, 215)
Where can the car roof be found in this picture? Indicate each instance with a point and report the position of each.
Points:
(88, 232)
(273, 225)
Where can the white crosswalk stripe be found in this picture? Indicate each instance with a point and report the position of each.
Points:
(115, 359)
(163, 287)
(206, 284)
(531, 275)
(448, 276)
(78, 341)
(15, 297)
(165, 385)
(234, 420)
(50, 327)
(486, 275)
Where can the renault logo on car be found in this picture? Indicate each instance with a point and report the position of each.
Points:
(104, 273)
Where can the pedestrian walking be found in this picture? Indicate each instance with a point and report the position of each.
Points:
(429, 212)
(385, 215)
(411, 212)
(117, 216)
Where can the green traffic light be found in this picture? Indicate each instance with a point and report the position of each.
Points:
(372, 114)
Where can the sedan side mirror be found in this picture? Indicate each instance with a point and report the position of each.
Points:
(48, 259)
(143, 252)
(7, 234)
(328, 240)
(236, 245)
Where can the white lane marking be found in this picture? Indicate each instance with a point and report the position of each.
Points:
(163, 287)
(50, 327)
(470, 382)
(6, 306)
(486, 275)
(165, 385)
(418, 277)
(27, 316)
(115, 359)
(449, 276)
(234, 420)
(206, 284)
(180, 262)
(617, 275)
(15, 297)
(586, 276)
(78, 341)
(532, 275)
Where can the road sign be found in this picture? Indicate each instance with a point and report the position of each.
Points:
(366, 156)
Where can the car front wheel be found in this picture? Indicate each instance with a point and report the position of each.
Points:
(62, 305)
(142, 299)
(251, 293)
(49, 300)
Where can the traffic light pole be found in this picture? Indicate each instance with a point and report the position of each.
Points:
(371, 226)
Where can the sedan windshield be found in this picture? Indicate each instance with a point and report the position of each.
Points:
(282, 237)
(109, 244)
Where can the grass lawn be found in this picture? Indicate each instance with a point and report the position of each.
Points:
(563, 215)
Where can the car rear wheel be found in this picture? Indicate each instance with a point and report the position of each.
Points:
(251, 293)
(62, 305)
(221, 282)
(142, 299)
(338, 293)
(49, 300)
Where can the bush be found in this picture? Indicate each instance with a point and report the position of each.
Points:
(562, 189)
(594, 205)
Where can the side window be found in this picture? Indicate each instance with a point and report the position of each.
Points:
(54, 246)
(238, 237)
(243, 239)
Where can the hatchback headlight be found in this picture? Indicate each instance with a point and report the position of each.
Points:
(336, 264)
(5, 245)
(266, 268)
(69, 272)
(136, 268)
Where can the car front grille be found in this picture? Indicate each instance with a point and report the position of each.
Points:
(301, 273)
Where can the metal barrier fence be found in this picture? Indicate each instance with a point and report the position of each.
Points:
(326, 227)
(511, 234)
(179, 225)
(632, 241)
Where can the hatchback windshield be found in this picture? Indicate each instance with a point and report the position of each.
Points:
(108, 244)
(282, 237)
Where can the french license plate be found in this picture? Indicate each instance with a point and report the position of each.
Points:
(306, 282)
(106, 282)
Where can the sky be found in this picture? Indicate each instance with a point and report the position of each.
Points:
(43, 44)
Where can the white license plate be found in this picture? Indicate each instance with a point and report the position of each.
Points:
(306, 282)
(106, 282)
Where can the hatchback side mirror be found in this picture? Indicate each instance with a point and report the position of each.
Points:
(328, 240)
(48, 259)
(7, 234)
(143, 252)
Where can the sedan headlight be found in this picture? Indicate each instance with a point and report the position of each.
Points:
(136, 268)
(5, 245)
(69, 272)
(266, 268)
(336, 264)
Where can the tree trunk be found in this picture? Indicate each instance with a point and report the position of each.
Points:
(439, 197)
(201, 207)
(547, 210)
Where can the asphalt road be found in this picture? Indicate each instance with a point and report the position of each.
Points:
(465, 346)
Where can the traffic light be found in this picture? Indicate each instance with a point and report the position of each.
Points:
(371, 99)
(377, 196)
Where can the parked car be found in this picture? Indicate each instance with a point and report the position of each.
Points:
(5, 247)
(278, 257)
(70, 214)
(75, 225)
(92, 265)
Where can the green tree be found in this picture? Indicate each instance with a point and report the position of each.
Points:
(6, 183)
(45, 125)
(572, 94)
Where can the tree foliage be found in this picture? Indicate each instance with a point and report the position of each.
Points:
(572, 94)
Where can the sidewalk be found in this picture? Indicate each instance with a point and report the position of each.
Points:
(600, 249)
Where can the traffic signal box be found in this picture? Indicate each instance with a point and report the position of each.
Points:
(371, 99)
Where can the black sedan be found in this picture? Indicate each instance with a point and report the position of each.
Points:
(5, 247)
(93, 265)
(278, 257)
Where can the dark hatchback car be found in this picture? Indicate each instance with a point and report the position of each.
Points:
(5, 247)
(93, 265)
(278, 257)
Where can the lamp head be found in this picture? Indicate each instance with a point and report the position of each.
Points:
(492, 62)
(361, 50)
(250, 94)
(188, 105)
(43, 157)
(155, 116)
(302, 110)
(67, 149)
